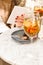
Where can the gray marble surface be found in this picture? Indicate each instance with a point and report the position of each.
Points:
(14, 52)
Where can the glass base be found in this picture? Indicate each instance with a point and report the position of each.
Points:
(33, 38)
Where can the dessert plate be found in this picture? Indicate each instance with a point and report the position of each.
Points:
(18, 36)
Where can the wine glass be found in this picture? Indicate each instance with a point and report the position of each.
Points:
(32, 25)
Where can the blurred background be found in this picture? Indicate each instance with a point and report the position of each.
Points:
(6, 7)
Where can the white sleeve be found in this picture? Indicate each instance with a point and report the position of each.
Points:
(3, 27)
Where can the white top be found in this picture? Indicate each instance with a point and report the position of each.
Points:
(21, 54)
(3, 27)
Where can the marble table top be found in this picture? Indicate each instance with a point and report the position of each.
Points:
(21, 54)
